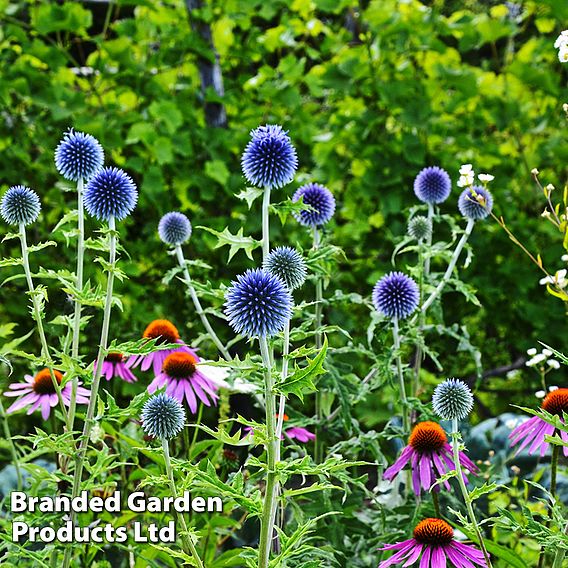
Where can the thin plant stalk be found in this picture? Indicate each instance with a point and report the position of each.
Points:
(78, 303)
(198, 308)
(436, 503)
(89, 419)
(195, 430)
(265, 223)
(421, 319)
(284, 375)
(553, 483)
(187, 542)
(560, 553)
(269, 507)
(8, 436)
(39, 322)
(429, 239)
(451, 266)
(400, 374)
(465, 493)
(318, 449)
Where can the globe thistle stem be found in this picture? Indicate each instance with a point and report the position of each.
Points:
(36, 306)
(269, 507)
(429, 240)
(451, 266)
(198, 308)
(8, 436)
(553, 483)
(282, 401)
(318, 448)
(400, 375)
(265, 223)
(89, 418)
(560, 553)
(78, 303)
(457, 464)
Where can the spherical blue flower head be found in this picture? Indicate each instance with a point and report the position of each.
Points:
(20, 204)
(270, 159)
(452, 400)
(287, 264)
(320, 199)
(163, 416)
(174, 228)
(396, 295)
(78, 156)
(475, 203)
(432, 185)
(258, 304)
(110, 193)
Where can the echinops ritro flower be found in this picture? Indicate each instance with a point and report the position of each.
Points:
(287, 264)
(420, 227)
(174, 228)
(20, 205)
(110, 193)
(163, 416)
(321, 205)
(452, 400)
(432, 185)
(78, 156)
(475, 203)
(396, 295)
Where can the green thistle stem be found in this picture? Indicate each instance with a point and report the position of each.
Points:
(560, 553)
(195, 430)
(421, 318)
(198, 308)
(318, 449)
(8, 436)
(429, 239)
(78, 303)
(465, 493)
(187, 542)
(553, 483)
(400, 375)
(265, 223)
(269, 507)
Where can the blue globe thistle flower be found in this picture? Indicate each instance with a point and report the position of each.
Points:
(432, 185)
(270, 159)
(396, 295)
(321, 201)
(452, 400)
(163, 416)
(78, 155)
(420, 227)
(20, 205)
(110, 193)
(287, 264)
(475, 203)
(258, 304)
(174, 228)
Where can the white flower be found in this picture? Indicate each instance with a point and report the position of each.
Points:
(561, 40)
(547, 352)
(466, 180)
(564, 257)
(553, 388)
(553, 363)
(534, 172)
(546, 215)
(536, 360)
(563, 54)
(540, 394)
(559, 279)
(531, 351)
(466, 169)
(550, 187)
(486, 177)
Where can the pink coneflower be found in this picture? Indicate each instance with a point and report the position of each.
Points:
(297, 432)
(184, 379)
(434, 545)
(39, 391)
(165, 332)
(114, 365)
(430, 457)
(535, 429)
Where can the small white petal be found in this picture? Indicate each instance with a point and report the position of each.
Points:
(531, 351)
(540, 394)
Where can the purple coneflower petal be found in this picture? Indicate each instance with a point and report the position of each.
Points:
(414, 555)
(45, 408)
(425, 471)
(24, 401)
(398, 465)
(425, 562)
(190, 397)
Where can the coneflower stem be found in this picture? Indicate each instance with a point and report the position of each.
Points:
(39, 322)
(465, 493)
(436, 503)
(266, 522)
(318, 448)
(451, 266)
(78, 303)
(187, 542)
(8, 436)
(195, 430)
(400, 374)
(265, 223)
(89, 418)
(198, 308)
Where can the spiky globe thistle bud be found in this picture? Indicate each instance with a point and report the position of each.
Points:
(78, 155)
(420, 228)
(475, 203)
(452, 400)
(287, 264)
(20, 205)
(174, 228)
(396, 295)
(321, 202)
(110, 193)
(163, 416)
(270, 159)
(258, 304)
(432, 185)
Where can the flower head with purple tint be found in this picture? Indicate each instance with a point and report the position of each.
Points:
(321, 205)
(434, 545)
(114, 365)
(110, 193)
(475, 203)
(396, 295)
(432, 185)
(39, 393)
(78, 156)
(430, 457)
(174, 228)
(163, 417)
(452, 400)
(185, 379)
(535, 430)
(287, 264)
(269, 159)
(20, 205)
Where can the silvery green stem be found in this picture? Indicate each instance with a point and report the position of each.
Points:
(89, 418)
(265, 223)
(465, 493)
(560, 553)
(78, 303)
(198, 308)
(400, 375)
(318, 449)
(282, 402)
(39, 322)
(451, 266)
(429, 239)
(187, 542)
(268, 509)
(8, 436)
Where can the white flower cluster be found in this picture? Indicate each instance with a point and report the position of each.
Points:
(467, 176)
(559, 279)
(561, 44)
(542, 394)
(537, 358)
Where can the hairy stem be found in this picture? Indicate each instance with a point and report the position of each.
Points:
(318, 448)
(400, 374)
(8, 436)
(265, 223)
(421, 320)
(198, 308)
(429, 239)
(269, 507)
